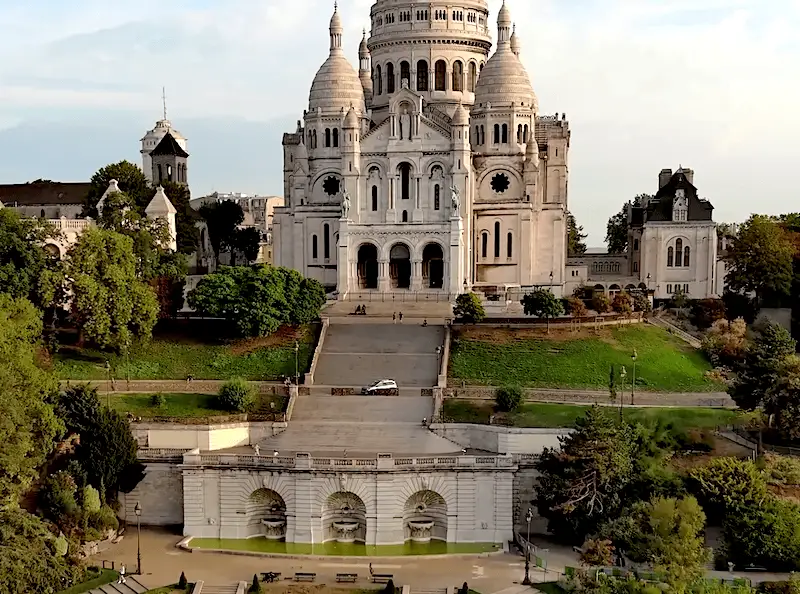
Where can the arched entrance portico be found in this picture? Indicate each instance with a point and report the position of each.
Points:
(433, 266)
(367, 266)
(400, 266)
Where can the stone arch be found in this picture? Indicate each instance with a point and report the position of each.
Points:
(272, 483)
(425, 517)
(598, 288)
(433, 265)
(400, 265)
(439, 486)
(432, 165)
(367, 265)
(344, 518)
(52, 250)
(347, 484)
(266, 514)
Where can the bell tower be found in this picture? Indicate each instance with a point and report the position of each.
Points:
(169, 161)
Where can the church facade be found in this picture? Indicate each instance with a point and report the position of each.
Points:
(428, 170)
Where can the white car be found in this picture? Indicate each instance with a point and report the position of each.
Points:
(380, 386)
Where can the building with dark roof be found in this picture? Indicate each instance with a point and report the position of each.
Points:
(169, 161)
(45, 199)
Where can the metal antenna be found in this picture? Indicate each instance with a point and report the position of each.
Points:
(164, 100)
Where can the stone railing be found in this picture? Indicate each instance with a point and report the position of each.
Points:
(160, 454)
(309, 376)
(76, 225)
(304, 461)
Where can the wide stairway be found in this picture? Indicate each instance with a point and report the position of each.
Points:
(131, 586)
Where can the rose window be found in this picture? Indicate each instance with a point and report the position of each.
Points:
(331, 186)
(500, 183)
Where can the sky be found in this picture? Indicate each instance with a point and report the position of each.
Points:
(712, 85)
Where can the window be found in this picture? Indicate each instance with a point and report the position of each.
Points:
(327, 137)
(405, 216)
(473, 77)
(314, 139)
(509, 245)
(686, 289)
(497, 239)
(440, 75)
(636, 267)
(405, 73)
(405, 180)
(635, 245)
(686, 256)
(336, 137)
(496, 139)
(314, 247)
(458, 76)
(519, 134)
(669, 289)
(374, 198)
(678, 252)
(483, 135)
(390, 78)
(422, 75)
(436, 197)
(160, 175)
(505, 133)
(525, 133)
(670, 257)
(326, 241)
(484, 243)
(378, 81)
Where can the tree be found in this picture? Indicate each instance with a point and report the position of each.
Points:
(597, 552)
(600, 303)
(760, 259)
(617, 232)
(508, 398)
(641, 302)
(622, 303)
(258, 300)
(247, 241)
(581, 484)
(28, 427)
(575, 237)
(704, 312)
(725, 342)
(577, 308)
(111, 305)
(542, 304)
(130, 179)
(764, 535)
(255, 586)
(223, 218)
(468, 308)
(726, 484)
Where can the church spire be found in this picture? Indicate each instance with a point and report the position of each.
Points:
(504, 26)
(336, 29)
(164, 100)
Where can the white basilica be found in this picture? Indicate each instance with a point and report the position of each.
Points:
(430, 169)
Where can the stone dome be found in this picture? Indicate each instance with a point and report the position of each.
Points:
(515, 47)
(336, 85)
(351, 119)
(460, 117)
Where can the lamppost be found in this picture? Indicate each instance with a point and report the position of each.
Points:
(623, 373)
(138, 511)
(551, 278)
(438, 359)
(527, 580)
(634, 356)
(648, 282)
(296, 369)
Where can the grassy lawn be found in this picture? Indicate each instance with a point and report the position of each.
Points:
(531, 358)
(259, 359)
(184, 405)
(564, 415)
(106, 577)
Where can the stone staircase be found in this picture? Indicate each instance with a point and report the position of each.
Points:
(211, 589)
(131, 586)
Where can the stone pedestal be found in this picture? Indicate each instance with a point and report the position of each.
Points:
(455, 283)
(343, 269)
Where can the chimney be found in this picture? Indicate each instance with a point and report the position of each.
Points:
(689, 173)
(664, 177)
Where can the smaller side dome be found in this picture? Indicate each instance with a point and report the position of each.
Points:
(460, 117)
(515, 47)
(363, 50)
(351, 119)
(336, 20)
(504, 16)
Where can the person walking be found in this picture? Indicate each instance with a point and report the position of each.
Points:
(394, 317)
(401, 317)
(121, 579)
(257, 450)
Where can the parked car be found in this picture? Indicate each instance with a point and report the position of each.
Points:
(380, 387)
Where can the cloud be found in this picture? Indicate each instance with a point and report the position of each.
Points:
(646, 84)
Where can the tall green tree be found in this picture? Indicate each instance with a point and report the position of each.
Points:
(581, 483)
(130, 179)
(468, 308)
(247, 241)
(617, 232)
(222, 218)
(576, 245)
(111, 305)
(542, 304)
(28, 427)
(760, 259)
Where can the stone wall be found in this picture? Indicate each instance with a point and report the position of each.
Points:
(308, 380)
(160, 494)
(525, 483)
(712, 399)
(502, 440)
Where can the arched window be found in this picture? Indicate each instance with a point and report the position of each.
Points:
(336, 137)
(686, 255)
(496, 139)
(483, 135)
(505, 133)
(327, 137)
(484, 244)
(670, 256)
(458, 76)
(314, 139)
(422, 75)
(374, 198)
(497, 239)
(326, 241)
(390, 78)
(509, 245)
(519, 134)
(314, 253)
(440, 76)
(477, 134)
(405, 216)
(378, 81)
(405, 181)
(41, 214)
(678, 252)
(635, 245)
(405, 73)
(160, 174)
(525, 133)
(473, 77)
(436, 197)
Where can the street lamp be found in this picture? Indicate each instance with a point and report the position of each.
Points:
(296, 370)
(634, 356)
(648, 282)
(138, 511)
(551, 278)
(527, 580)
(438, 359)
(623, 373)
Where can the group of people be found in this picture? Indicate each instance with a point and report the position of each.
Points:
(361, 310)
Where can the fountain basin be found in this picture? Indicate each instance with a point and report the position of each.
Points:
(345, 530)
(276, 528)
(421, 530)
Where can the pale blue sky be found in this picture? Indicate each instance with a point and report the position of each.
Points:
(710, 84)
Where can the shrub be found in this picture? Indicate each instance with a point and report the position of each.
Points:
(781, 470)
(704, 312)
(182, 583)
(105, 519)
(157, 400)
(92, 535)
(576, 307)
(764, 535)
(725, 484)
(236, 395)
(725, 342)
(641, 302)
(91, 500)
(622, 304)
(60, 546)
(389, 589)
(255, 587)
(508, 398)
(464, 589)
(468, 308)
(57, 500)
(600, 303)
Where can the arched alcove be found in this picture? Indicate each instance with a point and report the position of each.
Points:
(400, 266)
(425, 517)
(433, 266)
(367, 266)
(266, 514)
(344, 518)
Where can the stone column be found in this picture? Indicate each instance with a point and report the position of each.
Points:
(384, 282)
(343, 262)
(457, 273)
(416, 275)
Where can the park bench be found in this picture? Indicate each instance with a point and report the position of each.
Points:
(346, 577)
(305, 577)
(382, 578)
(270, 576)
(754, 568)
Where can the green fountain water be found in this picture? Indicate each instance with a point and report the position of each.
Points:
(338, 549)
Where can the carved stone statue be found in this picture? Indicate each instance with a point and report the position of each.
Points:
(345, 204)
(455, 196)
(405, 125)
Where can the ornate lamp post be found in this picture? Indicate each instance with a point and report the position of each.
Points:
(138, 511)
(527, 580)
(296, 369)
(623, 373)
(634, 356)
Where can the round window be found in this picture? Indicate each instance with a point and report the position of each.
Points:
(331, 185)
(500, 183)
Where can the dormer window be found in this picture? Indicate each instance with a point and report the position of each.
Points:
(680, 207)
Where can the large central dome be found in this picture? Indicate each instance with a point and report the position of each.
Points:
(336, 85)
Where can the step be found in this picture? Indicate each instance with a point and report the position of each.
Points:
(367, 409)
(131, 586)
(209, 589)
